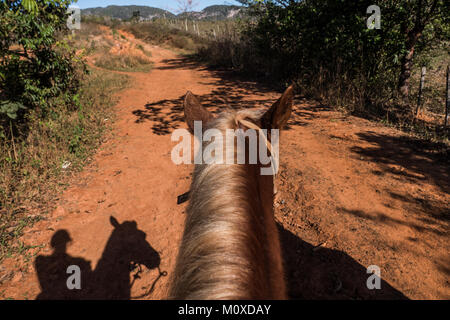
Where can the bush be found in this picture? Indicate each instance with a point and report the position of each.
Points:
(326, 45)
(35, 66)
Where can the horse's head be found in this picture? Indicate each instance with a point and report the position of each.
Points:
(274, 118)
(255, 139)
(131, 243)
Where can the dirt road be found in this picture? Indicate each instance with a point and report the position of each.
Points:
(351, 194)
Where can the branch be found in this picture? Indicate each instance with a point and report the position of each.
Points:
(430, 13)
(23, 54)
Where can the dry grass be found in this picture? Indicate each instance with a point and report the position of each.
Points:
(128, 63)
(144, 51)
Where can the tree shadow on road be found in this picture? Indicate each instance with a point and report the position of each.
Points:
(423, 159)
(168, 115)
(415, 161)
(230, 92)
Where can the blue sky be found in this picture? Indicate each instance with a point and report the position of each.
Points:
(170, 5)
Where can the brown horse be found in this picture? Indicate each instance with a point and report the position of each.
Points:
(230, 247)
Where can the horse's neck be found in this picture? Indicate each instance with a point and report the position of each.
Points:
(226, 228)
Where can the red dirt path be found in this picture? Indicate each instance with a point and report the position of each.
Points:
(350, 194)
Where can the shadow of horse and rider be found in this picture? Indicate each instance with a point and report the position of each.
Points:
(125, 252)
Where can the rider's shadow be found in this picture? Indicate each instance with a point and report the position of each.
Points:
(124, 253)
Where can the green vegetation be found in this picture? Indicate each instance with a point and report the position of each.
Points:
(35, 66)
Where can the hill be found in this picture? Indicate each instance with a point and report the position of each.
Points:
(126, 12)
(215, 12)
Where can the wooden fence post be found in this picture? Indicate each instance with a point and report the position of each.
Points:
(422, 81)
(447, 100)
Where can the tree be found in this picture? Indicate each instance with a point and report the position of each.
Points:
(186, 5)
(414, 17)
(35, 65)
(136, 16)
(330, 37)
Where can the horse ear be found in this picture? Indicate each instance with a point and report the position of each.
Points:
(194, 111)
(278, 115)
(114, 222)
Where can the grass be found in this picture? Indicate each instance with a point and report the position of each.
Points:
(127, 63)
(31, 168)
(146, 52)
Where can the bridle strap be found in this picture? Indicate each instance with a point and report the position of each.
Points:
(251, 125)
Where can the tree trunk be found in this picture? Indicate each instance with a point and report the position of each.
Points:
(407, 61)
(412, 36)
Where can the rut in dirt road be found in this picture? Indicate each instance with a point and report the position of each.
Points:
(350, 194)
